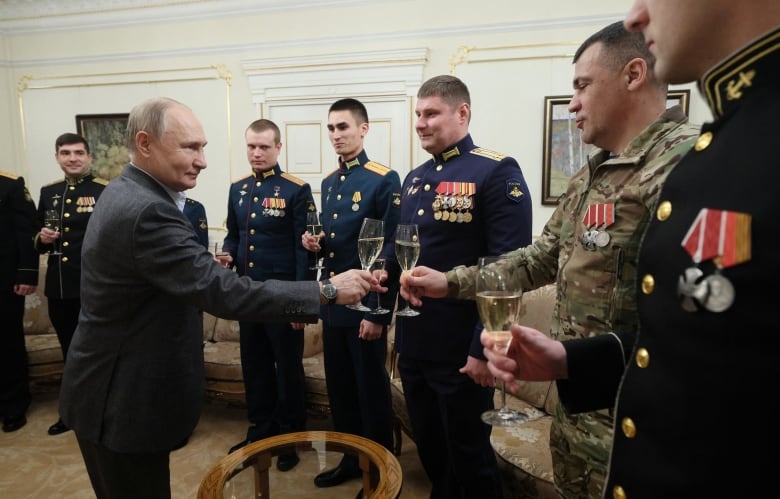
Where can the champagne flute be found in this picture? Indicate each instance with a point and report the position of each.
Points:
(498, 302)
(370, 241)
(407, 251)
(379, 264)
(314, 227)
(51, 220)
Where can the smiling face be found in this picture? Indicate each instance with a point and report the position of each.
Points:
(177, 157)
(346, 134)
(599, 99)
(439, 124)
(74, 160)
(262, 150)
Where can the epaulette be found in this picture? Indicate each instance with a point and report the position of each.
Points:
(8, 175)
(242, 179)
(293, 178)
(377, 168)
(55, 182)
(190, 200)
(487, 153)
(100, 181)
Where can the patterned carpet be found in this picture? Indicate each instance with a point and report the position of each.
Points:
(36, 465)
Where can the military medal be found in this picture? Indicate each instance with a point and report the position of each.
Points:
(597, 215)
(723, 237)
(355, 200)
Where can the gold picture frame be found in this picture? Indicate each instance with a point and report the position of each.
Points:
(105, 134)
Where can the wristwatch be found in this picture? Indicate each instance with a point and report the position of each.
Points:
(329, 291)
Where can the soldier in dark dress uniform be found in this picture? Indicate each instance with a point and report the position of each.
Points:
(355, 343)
(467, 202)
(196, 214)
(266, 216)
(73, 198)
(707, 342)
(18, 277)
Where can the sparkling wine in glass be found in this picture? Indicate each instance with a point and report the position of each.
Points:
(51, 220)
(314, 228)
(498, 302)
(407, 251)
(370, 241)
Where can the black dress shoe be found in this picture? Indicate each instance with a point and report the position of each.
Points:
(13, 423)
(239, 445)
(336, 476)
(286, 462)
(58, 427)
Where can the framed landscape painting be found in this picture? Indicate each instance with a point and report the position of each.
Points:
(105, 134)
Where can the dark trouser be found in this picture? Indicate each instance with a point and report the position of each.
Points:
(272, 364)
(452, 441)
(14, 388)
(115, 475)
(64, 316)
(358, 384)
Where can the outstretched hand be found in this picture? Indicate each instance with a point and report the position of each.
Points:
(422, 281)
(354, 284)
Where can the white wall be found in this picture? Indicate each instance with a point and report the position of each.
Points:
(108, 70)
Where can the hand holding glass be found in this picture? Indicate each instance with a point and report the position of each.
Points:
(51, 220)
(407, 251)
(379, 264)
(314, 228)
(370, 241)
(498, 302)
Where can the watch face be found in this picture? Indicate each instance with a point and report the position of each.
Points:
(330, 291)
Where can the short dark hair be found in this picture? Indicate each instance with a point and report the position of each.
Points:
(261, 125)
(354, 106)
(620, 46)
(68, 138)
(451, 90)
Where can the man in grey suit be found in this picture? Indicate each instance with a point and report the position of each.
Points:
(133, 383)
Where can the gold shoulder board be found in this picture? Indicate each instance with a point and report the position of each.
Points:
(100, 181)
(8, 175)
(293, 179)
(487, 153)
(377, 168)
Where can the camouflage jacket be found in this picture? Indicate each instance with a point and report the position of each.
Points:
(596, 283)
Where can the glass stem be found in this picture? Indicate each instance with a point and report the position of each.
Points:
(503, 396)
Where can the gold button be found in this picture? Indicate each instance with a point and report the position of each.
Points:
(253, 215)
(258, 183)
(628, 427)
(642, 357)
(68, 201)
(618, 492)
(427, 187)
(335, 216)
(251, 264)
(252, 231)
(255, 199)
(72, 187)
(342, 178)
(420, 212)
(439, 168)
(64, 258)
(65, 244)
(664, 210)
(332, 273)
(66, 215)
(67, 229)
(331, 254)
(648, 284)
(251, 247)
(333, 235)
(338, 196)
(703, 141)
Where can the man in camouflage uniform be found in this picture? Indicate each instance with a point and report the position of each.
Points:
(589, 246)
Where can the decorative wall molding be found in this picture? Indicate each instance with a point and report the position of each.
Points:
(386, 72)
(471, 55)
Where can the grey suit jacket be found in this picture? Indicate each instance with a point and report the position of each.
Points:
(134, 377)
